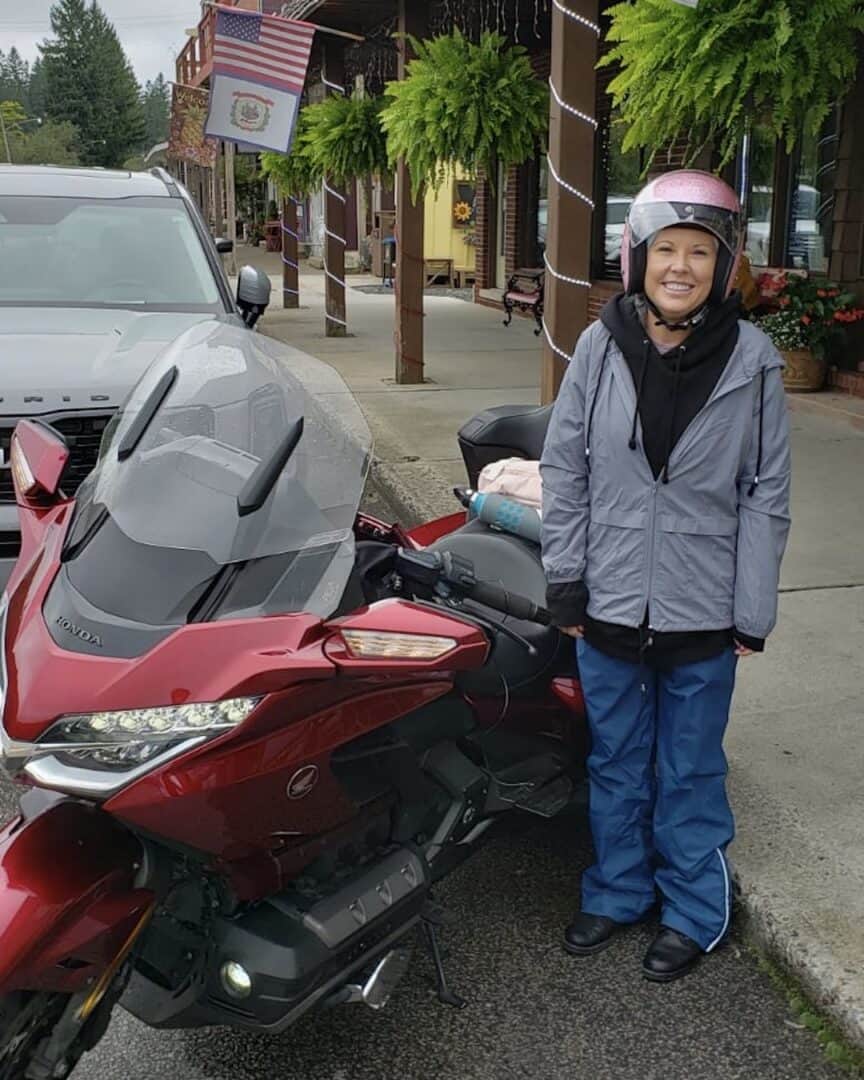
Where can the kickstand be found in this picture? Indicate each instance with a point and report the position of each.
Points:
(445, 994)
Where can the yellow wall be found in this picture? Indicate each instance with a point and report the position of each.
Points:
(442, 239)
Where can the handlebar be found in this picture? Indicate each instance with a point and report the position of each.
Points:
(443, 573)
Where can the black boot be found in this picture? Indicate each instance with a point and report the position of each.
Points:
(670, 956)
(589, 934)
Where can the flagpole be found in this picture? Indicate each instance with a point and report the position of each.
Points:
(323, 29)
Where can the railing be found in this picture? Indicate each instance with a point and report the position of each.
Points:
(196, 59)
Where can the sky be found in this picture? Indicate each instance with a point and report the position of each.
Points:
(150, 32)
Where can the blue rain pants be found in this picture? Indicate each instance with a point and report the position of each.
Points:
(660, 818)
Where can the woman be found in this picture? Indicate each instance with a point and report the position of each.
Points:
(665, 516)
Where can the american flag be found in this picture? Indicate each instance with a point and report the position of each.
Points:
(264, 49)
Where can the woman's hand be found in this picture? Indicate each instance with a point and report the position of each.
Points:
(742, 650)
(573, 631)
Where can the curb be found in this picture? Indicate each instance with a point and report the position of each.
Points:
(814, 967)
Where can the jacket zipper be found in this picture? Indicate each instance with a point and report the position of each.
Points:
(652, 527)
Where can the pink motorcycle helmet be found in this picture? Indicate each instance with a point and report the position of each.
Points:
(685, 197)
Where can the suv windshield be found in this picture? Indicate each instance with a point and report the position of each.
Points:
(159, 518)
(132, 252)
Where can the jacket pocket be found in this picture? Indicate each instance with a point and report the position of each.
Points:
(696, 556)
(615, 557)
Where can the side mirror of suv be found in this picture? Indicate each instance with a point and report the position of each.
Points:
(253, 294)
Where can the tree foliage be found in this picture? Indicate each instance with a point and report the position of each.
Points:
(464, 104)
(14, 77)
(89, 82)
(156, 105)
(49, 144)
(293, 173)
(708, 71)
(342, 137)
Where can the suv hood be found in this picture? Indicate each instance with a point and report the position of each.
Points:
(61, 359)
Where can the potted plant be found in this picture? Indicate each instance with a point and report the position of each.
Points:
(807, 324)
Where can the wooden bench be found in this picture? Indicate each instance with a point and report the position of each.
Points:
(436, 268)
(525, 292)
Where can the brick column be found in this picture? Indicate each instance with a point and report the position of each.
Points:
(484, 233)
(512, 226)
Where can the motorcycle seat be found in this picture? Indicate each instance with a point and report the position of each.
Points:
(515, 564)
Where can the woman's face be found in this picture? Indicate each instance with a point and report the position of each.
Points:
(680, 270)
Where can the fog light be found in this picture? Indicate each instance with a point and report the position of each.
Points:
(236, 979)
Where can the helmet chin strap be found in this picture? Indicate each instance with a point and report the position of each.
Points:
(695, 318)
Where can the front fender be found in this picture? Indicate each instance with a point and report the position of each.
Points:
(68, 901)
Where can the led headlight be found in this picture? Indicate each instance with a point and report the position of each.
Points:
(165, 724)
(123, 741)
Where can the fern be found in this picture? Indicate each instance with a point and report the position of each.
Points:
(294, 173)
(709, 70)
(343, 138)
(464, 104)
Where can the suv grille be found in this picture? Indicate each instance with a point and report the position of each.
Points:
(83, 433)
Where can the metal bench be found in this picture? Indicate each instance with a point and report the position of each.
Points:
(525, 292)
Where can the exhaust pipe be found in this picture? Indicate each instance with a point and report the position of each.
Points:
(375, 992)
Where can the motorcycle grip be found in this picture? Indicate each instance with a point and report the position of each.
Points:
(494, 596)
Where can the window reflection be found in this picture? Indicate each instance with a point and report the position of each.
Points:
(812, 201)
(624, 182)
(756, 189)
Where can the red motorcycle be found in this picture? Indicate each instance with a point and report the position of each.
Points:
(252, 726)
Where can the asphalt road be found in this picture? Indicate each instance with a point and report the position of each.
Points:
(534, 1012)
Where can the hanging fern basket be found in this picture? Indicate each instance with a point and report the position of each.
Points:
(710, 70)
(464, 105)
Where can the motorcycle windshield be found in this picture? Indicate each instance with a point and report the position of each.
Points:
(194, 475)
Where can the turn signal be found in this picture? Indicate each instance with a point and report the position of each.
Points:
(25, 482)
(375, 645)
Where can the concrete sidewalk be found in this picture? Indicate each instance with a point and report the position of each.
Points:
(796, 740)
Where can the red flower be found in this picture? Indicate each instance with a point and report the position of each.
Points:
(806, 320)
(821, 293)
(784, 301)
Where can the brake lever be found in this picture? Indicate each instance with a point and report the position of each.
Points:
(484, 620)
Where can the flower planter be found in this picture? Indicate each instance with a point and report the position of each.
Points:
(803, 373)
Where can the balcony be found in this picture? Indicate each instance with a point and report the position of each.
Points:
(195, 62)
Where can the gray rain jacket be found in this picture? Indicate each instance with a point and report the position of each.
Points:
(701, 552)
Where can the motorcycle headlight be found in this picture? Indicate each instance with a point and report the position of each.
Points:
(136, 735)
(99, 753)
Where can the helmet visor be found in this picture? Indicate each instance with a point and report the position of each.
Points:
(646, 219)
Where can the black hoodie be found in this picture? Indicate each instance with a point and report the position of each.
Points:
(671, 388)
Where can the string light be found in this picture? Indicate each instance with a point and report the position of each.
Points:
(570, 108)
(285, 259)
(573, 111)
(579, 18)
(339, 240)
(329, 232)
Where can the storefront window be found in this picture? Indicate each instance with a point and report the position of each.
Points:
(542, 205)
(812, 201)
(755, 182)
(624, 181)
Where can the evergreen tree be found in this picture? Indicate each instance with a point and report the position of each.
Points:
(89, 83)
(14, 77)
(156, 103)
(36, 90)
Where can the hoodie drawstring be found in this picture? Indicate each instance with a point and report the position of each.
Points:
(752, 491)
(646, 352)
(594, 405)
(671, 432)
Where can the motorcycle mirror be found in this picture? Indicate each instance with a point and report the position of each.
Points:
(38, 457)
(253, 294)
